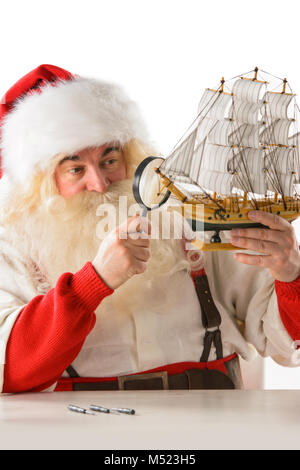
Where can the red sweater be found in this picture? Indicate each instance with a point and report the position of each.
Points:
(50, 331)
(288, 297)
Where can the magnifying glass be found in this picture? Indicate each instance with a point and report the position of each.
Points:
(146, 185)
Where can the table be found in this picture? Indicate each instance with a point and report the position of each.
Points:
(168, 419)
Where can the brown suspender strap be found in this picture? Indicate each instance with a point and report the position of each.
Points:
(212, 337)
(210, 314)
(72, 372)
(211, 318)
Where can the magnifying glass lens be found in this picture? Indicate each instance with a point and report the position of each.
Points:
(147, 184)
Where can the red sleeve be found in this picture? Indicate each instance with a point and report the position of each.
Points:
(50, 331)
(288, 297)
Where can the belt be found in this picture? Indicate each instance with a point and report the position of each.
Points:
(184, 376)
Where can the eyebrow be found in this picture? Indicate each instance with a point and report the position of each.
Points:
(76, 158)
(110, 149)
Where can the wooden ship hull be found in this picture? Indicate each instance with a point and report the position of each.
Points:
(215, 220)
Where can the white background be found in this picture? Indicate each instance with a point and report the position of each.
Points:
(164, 52)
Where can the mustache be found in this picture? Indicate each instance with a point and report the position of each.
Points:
(86, 201)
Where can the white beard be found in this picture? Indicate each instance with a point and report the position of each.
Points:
(63, 237)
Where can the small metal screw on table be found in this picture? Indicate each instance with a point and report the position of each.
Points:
(78, 409)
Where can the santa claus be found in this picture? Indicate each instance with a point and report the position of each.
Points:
(83, 311)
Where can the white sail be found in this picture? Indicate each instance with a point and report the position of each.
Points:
(246, 135)
(220, 134)
(281, 159)
(204, 128)
(257, 185)
(216, 158)
(228, 133)
(216, 181)
(213, 104)
(250, 168)
(294, 141)
(286, 183)
(247, 90)
(244, 112)
(179, 161)
(277, 104)
(240, 129)
(277, 133)
(196, 162)
(254, 160)
(281, 170)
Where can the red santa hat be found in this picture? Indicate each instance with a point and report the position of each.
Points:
(50, 111)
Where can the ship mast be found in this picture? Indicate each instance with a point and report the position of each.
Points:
(284, 86)
(222, 85)
(255, 73)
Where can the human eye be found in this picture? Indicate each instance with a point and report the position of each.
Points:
(75, 170)
(109, 162)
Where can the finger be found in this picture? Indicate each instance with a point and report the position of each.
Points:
(263, 261)
(270, 220)
(123, 229)
(131, 227)
(265, 234)
(140, 226)
(141, 254)
(138, 241)
(145, 225)
(140, 266)
(254, 244)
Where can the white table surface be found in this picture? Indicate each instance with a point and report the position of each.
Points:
(175, 419)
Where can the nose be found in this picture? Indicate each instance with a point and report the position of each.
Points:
(97, 181)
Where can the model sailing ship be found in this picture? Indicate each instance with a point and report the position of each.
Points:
(240, 154)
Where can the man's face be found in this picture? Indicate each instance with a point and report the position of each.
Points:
(91, 169)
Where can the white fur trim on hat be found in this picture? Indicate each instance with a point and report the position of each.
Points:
(67, 117)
